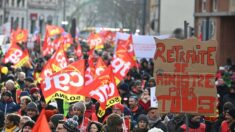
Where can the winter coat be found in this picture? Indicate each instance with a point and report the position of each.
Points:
(8, 107)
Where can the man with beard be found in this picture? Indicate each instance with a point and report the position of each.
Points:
(135, 108)
(79, 109)
(194, 125)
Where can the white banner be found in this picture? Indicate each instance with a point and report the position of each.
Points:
(154, 102)
(144, 46)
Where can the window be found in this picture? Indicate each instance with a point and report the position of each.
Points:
(1, 3)
(22, 3)
(1, 19)
(203, 5)
(18, 3)
(12, 21)
(22, 22)
(13, 3)
(215, 5)
(7, 2)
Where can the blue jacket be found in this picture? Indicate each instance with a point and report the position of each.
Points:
(8, 107)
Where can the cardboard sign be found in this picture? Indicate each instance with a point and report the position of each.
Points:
(185, 76)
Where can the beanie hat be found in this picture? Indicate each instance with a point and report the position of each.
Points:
(11, 77)
(231, 112)
(33, 90)
(71, 124)
(7, 93)
(124, 87)
(80, 106)
(24, 93)
(32, 106)
(56, 118)
(119, 106)
(227, 106)
(29, 123)
(114, 120)
(29, 79)
(142, 117)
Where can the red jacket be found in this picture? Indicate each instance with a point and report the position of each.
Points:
(224, 126)
(201, 128)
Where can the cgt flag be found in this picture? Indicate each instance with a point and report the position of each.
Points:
(104, 90)
(65, 84)
(122, 62)
(16, 56)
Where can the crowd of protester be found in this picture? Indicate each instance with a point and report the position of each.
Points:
(22, 101)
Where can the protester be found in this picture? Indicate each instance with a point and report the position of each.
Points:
(94, 127)
(70, 125)
(154, 119)
(194, 124)
(79, 109)
(113, 124)
(135, 108)
(28, 126)
(229, 119)
(11, 123)
(7, 104)
(32, 111)
(23, 120)
(142, 124)
(54, 120)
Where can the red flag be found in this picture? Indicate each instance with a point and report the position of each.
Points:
(65, 83)
(100, 67)
(54, 30)
(79, 51)
(16, 56)
(20, 35)
(121, 64)
(128, 44)
(95, 41)
(59, 60)
(46, 72)
(48, 46)
(104, 90)
(41, 124)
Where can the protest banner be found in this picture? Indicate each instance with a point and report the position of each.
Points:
(144, 46)
(185, 76)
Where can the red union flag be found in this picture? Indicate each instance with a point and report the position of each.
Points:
(100, 67)
(65, 84)
(48, 46)
(95, 41)
(20, 35)
(54, 30)
(46, 72)
(59, 60)
(124, 45)
(16, 56)
(121, 64)
(104, 90)
(78, 51)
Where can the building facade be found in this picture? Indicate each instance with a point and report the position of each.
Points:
(173, 14)
(153, 23)
(31, 14)
(215, 19)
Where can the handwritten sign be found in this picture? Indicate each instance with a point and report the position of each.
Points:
(185, 73)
